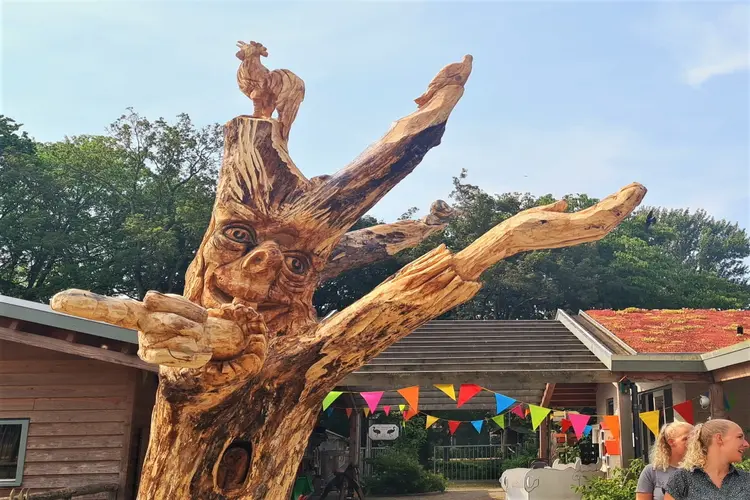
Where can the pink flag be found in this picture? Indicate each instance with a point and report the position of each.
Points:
(387, 410)
(372, 399)
(579, 423)
(518, 410)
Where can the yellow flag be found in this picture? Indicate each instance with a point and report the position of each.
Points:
(538, 414)
(430, 420)
(401, 408)
(448, 390)
(499, 420)
(367, 412)
(651, 419)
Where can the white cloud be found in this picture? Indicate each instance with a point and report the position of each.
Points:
(706, 40)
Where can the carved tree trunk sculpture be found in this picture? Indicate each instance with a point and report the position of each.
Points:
(245, 363)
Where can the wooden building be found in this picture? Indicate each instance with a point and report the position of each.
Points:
(75, 401)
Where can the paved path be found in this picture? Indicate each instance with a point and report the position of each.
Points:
(493, 494)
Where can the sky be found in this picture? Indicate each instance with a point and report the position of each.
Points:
(564, 97)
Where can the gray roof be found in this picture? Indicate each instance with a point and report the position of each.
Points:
(514, 358)
(34, 312)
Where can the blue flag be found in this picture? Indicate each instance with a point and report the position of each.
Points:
(477, 424)
(503, 403)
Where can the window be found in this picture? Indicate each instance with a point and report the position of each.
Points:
(13, 435)
(611, 406)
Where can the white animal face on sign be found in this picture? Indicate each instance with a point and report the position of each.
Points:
(383, 432)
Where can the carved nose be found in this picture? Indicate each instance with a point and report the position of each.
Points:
(264, 257)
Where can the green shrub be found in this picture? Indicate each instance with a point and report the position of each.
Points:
(744, 465)
(397, 471)
(516, 462)
(621, 486)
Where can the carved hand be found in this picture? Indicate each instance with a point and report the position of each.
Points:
(172, 331)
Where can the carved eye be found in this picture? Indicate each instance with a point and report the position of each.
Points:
(297, 264)
(240, 234)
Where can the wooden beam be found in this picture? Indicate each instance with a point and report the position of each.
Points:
(732, 372)
(549, 390)
(667, 377)
(84, 351)
(716, 395)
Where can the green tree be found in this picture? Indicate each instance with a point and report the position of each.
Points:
(118, 214)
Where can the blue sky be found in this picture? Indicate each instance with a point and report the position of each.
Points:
(565, 97)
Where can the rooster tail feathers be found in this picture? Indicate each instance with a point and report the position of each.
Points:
(290, 92)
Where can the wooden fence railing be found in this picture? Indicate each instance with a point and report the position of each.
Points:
(66, 494)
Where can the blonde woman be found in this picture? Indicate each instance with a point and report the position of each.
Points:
(666, 455)
(707, 471)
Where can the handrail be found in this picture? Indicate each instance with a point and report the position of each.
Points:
(64, 494)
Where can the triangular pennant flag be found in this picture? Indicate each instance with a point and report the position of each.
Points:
(372, 399)
(526, 413)
(466, 392)
(565, 423)
(367, 411)
(348, 412)
(477, 424)
(587, 430)
(613, 425)
(448, 390)
(329, 411)
(330, 398)
(518, 410)
(453, 425)
(401, 408)
(499, 420)
(578, 422)
(685, 410)
(409, 413)
(430, 420)
(538, 414)
(502, 403)
(651, 419)
(411, 395)
(387, 410)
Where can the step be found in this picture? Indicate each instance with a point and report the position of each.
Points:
(413, 353)
(481, 366)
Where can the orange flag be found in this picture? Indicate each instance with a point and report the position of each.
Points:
(411, 395)
(409, 413)
(348, 412)
(613, 424)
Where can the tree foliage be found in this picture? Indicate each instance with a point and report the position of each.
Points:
(123, 214)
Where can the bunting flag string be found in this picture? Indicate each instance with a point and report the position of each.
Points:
(387, 410)
(613, 425)
(477, 424)
(468, 391)
(538, 414)
(430, 420)
(579, 422)
(499, 420)
(453, 426)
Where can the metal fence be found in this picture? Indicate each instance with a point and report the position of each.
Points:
(364, 457)
(471, 462)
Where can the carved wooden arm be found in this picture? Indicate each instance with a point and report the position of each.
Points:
(372, 244)
(440, 281)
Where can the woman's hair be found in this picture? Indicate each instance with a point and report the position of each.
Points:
(661, 452)
(700, 439)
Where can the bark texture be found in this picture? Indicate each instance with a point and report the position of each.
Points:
(244, 362)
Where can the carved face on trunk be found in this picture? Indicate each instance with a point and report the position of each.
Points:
(264, 266)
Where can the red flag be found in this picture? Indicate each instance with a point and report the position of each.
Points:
(348, 412)
(565, 424)
(467, 392)
(518, 410)
(685, 410)
(387, 410)
(453, 425)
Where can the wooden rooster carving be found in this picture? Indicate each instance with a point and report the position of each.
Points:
(279, 89)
